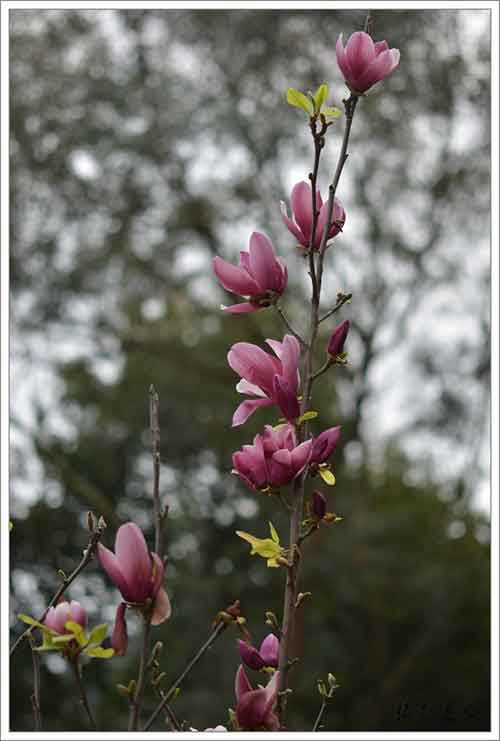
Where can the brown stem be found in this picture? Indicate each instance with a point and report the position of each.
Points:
(75, 665)
(319, 717)
(170, 692)
(87, 557)
(159, 513)
(290, 597)
(35, 697)
(287, 324)
(135, 708)
(340, 302)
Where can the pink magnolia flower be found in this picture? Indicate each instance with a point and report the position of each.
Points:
(271, 380)
(301, 222)
(338, 338)
(254, 708)
(267, 655)
(138, 574)
(324, 445)
(273, 460)
(65, 612)
(363, 63)
(261, 276)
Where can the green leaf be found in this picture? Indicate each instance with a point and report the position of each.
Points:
(99, 653)
(332, 112)
(98, 634)
(35, 623)
(299, 100)
(78, 632)
(320, 96)
(307, 416)
(327, 476)
(274, 534)
(66, 638)
(47, 644)
(11, 524)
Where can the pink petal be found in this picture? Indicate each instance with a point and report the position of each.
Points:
(360, 52)
(241, 684)
(381, 46)
(158, 572)
(247, 408)
(78, 614)
(342, 60)
(50, 619)
(252, 364)
(245, 261)
(244, 308)
(302, 207)
(292, 227)
(112, 568)
(234, 279)
(250, 656)
(269, 650)
(119, 639)
(281, 271)
(300, 457)
(290, 356)
(280, 468)
(286, 398)
(244, 387)
(57, 617)
(162, 609)
(251, 710)
(379, 69)
(262, 262)
(324, 444)
(135, 562)
(271, 690)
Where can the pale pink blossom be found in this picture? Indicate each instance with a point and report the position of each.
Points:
(301, 223)
(363, 62)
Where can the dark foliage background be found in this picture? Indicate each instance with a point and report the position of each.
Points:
(145, 142)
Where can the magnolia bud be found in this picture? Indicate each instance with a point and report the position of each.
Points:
(338, 338)
(318, 504)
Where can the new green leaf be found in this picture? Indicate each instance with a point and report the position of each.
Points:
(299, 100)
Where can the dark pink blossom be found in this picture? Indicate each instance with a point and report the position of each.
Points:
(138, 574)
(259, 371)
(273, 460)
(301, 223)
(363, 62)
(324, 444)
(260, 277)
(267, 655)
(254, 708)
(338, 338)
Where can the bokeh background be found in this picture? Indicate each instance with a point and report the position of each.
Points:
(144, 142)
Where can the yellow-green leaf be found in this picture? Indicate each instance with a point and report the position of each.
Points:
(274, 534)
(78, 632)
(98, 634)
(99, 653)
(332, 112)
(307, 416)
(327, 476)
(66, 638)
(264, 547)
(35, 623)
(299, 100)
(320, 96)
(11, 526)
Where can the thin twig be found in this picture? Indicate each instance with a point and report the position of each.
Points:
(171, 717)
(170, 692)
(159, 513)
(287, 324)
(319, 717)
(327, 364)
(88, 554)
(135, 707)
(340, 302)
(75, 665)
(35, 697)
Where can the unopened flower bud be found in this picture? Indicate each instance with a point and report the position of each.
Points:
(119, 639)
(90, 522)
(338, 338)
(318, 504)
(250, 656)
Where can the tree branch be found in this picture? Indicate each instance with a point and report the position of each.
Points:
(88, 554)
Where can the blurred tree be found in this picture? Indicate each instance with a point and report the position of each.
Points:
(144, 142)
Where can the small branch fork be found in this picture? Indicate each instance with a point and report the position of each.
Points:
(77, 673)
(35, 697)
(88, 555)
